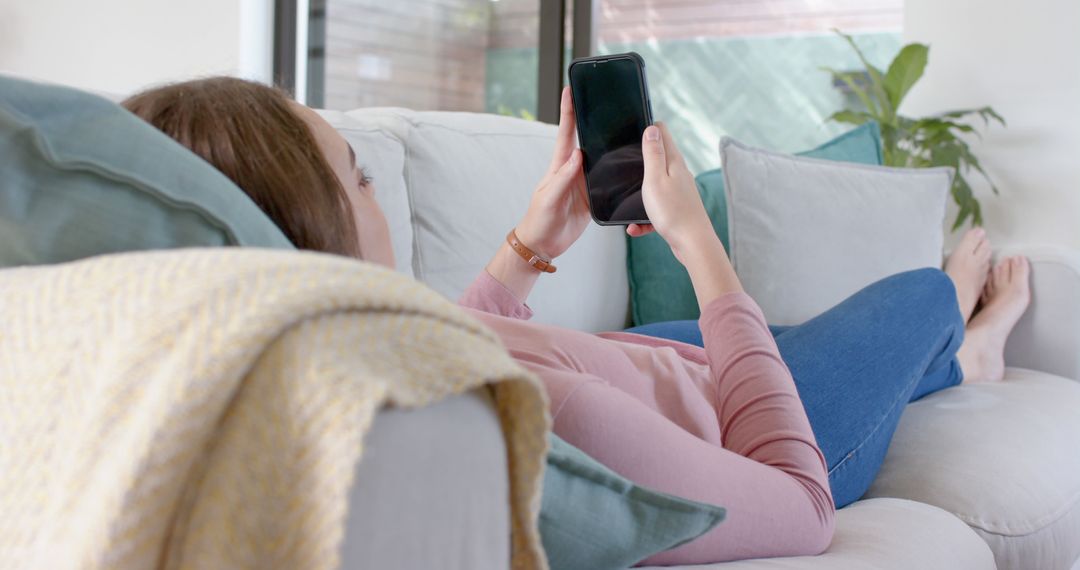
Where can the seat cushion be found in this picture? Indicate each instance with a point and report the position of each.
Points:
(1003, 457)
(886, 534)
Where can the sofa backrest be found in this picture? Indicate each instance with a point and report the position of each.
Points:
(465, 179)
(382, 154)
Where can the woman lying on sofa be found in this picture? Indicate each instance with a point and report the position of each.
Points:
(732, 423)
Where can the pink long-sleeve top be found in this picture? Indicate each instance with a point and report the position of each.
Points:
(722, 424)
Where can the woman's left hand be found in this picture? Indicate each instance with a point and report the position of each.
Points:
(559, 210)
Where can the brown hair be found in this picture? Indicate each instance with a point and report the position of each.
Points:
(248, 131)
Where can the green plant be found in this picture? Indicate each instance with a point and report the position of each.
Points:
(521, 113)
(937, 140)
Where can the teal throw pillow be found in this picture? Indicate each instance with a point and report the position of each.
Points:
(591, 517)
(660, 288)
(81, 176)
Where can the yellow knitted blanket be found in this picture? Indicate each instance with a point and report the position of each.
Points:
(206, 408)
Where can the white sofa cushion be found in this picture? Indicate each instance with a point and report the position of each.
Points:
(807, 233)
(381, 153)
(469, 178)
(885, 534)
(1003, 457)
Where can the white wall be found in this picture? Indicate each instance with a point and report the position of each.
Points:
(1023, 58)
(119, 46)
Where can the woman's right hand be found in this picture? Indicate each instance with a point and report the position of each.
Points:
(670, 195)
(676, 212)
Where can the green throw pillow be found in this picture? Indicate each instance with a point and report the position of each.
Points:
(660, 288)
(593, 518)
(81, 176)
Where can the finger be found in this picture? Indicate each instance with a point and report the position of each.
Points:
(564, 177)
(638, 230)
(564, 140)
(653, 153)
(674, 156)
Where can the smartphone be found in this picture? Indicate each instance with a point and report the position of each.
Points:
(611, 100)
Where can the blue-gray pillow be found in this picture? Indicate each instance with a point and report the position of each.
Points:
(81, 176)
(591, 517)
(660, 288)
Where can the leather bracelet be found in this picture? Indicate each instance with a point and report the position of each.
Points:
(530, 257)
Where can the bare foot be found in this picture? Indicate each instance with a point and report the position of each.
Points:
(1005, 298)
(969, 267)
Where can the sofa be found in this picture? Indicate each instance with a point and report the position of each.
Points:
(977, 476)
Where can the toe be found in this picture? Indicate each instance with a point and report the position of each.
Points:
(1023, 268)
(980, 236)
(975, 236)
(1001, 272)
(969, 241)
(991, 278)
(984, 258)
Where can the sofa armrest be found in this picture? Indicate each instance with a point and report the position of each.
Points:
(432, 490)
(1047, 338)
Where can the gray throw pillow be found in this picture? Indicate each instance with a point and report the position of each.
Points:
(81, 176)
(660, 287)
(806, 233)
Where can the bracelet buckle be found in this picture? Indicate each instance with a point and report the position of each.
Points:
(530, 257)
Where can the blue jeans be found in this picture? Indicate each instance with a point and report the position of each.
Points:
(857, 365)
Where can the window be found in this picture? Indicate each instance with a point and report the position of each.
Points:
(451, 55)
(746, 68)
(750, 69)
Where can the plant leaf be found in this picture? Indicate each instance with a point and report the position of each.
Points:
(849, 80)
(976, 217)
(993, 114)
(973, 162)
(945, 155)
(877, 81)
(969, 206)
(985, 113)
(906, 69)
(962, 214)
(850, 117)
(932, 131)
(902, 158)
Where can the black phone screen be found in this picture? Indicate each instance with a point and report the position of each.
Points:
(612, 113)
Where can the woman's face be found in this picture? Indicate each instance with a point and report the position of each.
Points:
(371, 225)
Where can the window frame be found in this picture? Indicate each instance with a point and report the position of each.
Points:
(291, 26)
